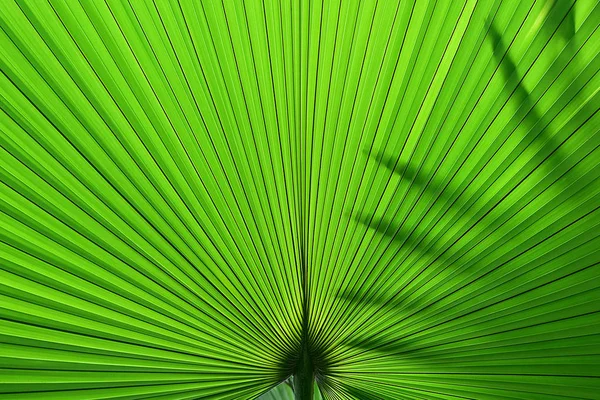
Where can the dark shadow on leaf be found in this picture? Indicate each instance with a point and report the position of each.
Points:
(399, 306)
(407, 172)
(559, 22)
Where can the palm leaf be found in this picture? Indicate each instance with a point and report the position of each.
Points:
(224, 199)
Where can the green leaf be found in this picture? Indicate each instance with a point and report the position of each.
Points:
(373, 199)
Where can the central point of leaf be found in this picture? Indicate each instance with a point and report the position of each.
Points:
(310, 366)
(304, 375)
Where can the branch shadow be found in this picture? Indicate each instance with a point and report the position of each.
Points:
(559, 24)
(402, 304)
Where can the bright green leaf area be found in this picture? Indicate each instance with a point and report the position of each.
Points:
(227, 199)
(281, 392)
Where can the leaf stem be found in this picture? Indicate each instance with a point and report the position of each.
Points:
(304, 377)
